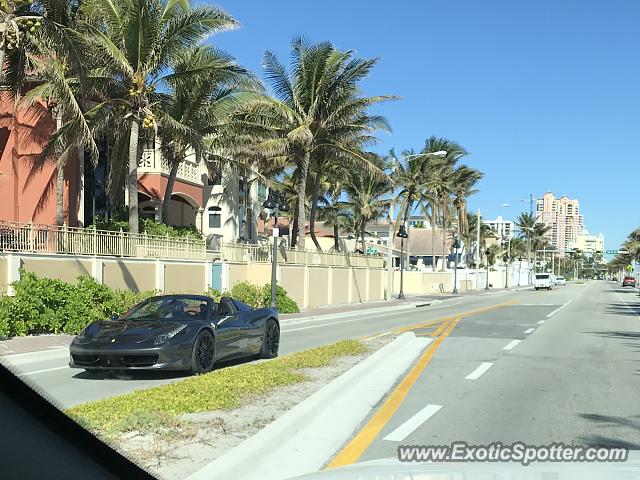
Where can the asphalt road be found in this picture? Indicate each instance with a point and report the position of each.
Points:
(48, 371)
(559, 366)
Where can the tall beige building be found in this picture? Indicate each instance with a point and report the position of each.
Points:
(563, 216)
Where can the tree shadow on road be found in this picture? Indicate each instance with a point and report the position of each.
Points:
(630, 309)
(609, 421)
(632, 339)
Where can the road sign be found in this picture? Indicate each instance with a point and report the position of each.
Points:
(629, 268)
(615, 252)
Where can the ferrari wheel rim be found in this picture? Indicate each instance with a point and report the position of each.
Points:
(204, 353)
(272, 338)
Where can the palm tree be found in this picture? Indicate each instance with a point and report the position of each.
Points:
(367, 197)
(42, 47)
(464, 180)
(442, 176)
(197, 108)
(138, 42)
(316, 106)
(526, 222)
(485, 233)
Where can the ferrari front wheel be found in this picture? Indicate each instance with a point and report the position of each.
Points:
(271, 340)
(203, 354)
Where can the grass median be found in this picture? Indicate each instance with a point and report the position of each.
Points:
(159, 407)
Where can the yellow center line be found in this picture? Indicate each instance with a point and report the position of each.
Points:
(422, 325)
(353, 450)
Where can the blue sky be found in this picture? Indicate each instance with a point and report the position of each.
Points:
(544, 95)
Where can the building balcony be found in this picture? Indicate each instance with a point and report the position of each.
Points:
(152, 161)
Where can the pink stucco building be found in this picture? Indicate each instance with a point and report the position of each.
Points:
(563, 216)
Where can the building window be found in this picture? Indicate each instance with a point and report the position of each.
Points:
(215, 218)
(215, 176)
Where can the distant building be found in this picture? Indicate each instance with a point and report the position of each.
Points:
(588, 243)
(502, 228)
(563, 216)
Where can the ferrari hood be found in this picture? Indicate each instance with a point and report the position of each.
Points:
(128, 331)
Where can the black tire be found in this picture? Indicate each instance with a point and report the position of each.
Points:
(203, 354)
(270, 340)
(537, 288)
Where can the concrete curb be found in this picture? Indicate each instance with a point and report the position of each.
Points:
(304, 439)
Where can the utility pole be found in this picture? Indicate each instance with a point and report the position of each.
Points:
(478, 252)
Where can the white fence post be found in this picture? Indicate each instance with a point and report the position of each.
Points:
(121, 241)
(160, 267)
(13, 272)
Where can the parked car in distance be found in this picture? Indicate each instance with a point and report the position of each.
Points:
(544, 280)
(628, 282)
(561, 281)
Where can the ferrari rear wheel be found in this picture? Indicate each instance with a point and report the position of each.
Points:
(203, 354)
(271, 340)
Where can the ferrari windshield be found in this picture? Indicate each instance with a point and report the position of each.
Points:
(171, 307)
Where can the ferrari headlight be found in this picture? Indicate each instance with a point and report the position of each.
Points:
(160, 339)
(83, 335)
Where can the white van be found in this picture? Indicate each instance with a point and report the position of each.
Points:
(544, 280)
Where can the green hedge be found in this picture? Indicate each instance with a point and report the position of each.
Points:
(120, 220)
(259, 297)
(44, 305)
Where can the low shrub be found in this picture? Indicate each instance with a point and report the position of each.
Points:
(45, 305)
(248, 293)
(284, 303)
(259, 297)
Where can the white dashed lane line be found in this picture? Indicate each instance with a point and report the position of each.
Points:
(408, 427)
(511, 344)
(477, 373)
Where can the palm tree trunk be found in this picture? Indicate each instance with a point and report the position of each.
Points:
(2, 54)
(363, 228)
(293, 229)
(314, 210)
(433, 237)
(302, 189)
(59, 178)
(166, 200)
(132, 179)
(336, 242)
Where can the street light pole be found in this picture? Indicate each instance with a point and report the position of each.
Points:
(275, 202)
(402, 233)
(478, 251)
(487, 252)
(274, 256)
(456, 246)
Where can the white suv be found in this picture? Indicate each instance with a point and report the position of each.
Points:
(544, 280)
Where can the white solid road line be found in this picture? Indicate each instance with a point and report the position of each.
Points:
(540, 322)
(42, 371)
(359, 319)
(558, 309)
(529, 330)
(477, 373)
(511, 344)
(408, 427)
(17, 359)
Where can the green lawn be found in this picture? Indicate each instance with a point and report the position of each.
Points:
(221, 389)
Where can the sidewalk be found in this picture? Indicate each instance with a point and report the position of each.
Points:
(36, 343)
